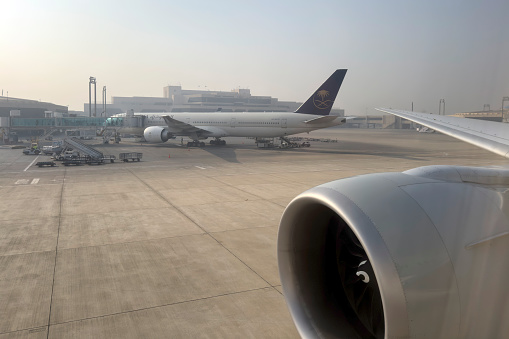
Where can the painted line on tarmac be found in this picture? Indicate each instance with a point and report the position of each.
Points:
(200, 167)
(35, 181)
(30, 164)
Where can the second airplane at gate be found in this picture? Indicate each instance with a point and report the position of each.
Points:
(312, 115)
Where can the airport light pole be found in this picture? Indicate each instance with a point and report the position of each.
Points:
(104, 101)
(95, 99)
(503, 100)
(442, 101)
(90, 83)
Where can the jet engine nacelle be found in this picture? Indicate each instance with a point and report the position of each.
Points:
(418, 254)
(156, 134)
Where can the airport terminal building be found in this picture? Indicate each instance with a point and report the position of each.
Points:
(24, 117)
(176, 99)
(29, 108)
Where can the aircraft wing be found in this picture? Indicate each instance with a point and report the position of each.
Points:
(180, 127)
(490, 135)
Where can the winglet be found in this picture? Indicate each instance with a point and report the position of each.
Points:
(320, 103)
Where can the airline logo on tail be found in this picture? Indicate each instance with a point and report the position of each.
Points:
(320, 99)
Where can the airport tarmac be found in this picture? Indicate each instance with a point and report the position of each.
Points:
(181, 244)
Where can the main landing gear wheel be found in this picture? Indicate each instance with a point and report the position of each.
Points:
(218, 142)
(195, 144)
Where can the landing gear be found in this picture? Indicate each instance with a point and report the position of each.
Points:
(195, 143)
(218, 142)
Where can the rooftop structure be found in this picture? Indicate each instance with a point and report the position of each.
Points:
(176, 99)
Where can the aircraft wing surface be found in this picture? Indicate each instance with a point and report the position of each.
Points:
(490, 135)
(180, 127)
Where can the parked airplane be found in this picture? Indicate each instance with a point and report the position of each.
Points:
(312, 115)
(417, 254)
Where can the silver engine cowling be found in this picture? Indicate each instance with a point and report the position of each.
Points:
(418, 254)
(156, 134)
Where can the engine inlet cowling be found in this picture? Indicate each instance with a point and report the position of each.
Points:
(392, 254)
(328, 277)
(156, 134)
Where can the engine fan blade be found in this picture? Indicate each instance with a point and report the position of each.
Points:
(356, 279)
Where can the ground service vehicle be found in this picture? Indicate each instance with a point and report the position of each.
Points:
(125, 157)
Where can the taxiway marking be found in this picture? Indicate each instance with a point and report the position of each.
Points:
(30, 164)
(35, 181)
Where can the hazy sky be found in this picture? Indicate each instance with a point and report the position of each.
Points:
(396, 52)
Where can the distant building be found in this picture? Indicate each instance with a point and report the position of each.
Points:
(394, 122)
(238, 100)
(176, 99)
(495, 115)
(379, 121)
(23, 117)
(29, 108)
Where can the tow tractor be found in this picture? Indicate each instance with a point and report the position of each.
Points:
(32, 150)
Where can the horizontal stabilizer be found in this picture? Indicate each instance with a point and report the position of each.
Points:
(324, 119)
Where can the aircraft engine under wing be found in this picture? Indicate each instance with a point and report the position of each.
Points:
(417, 254)
(493, 136)
(156, 134)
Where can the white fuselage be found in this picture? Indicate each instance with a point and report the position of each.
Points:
(247, 124)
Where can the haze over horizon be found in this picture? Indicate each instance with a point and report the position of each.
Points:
(396, 52)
